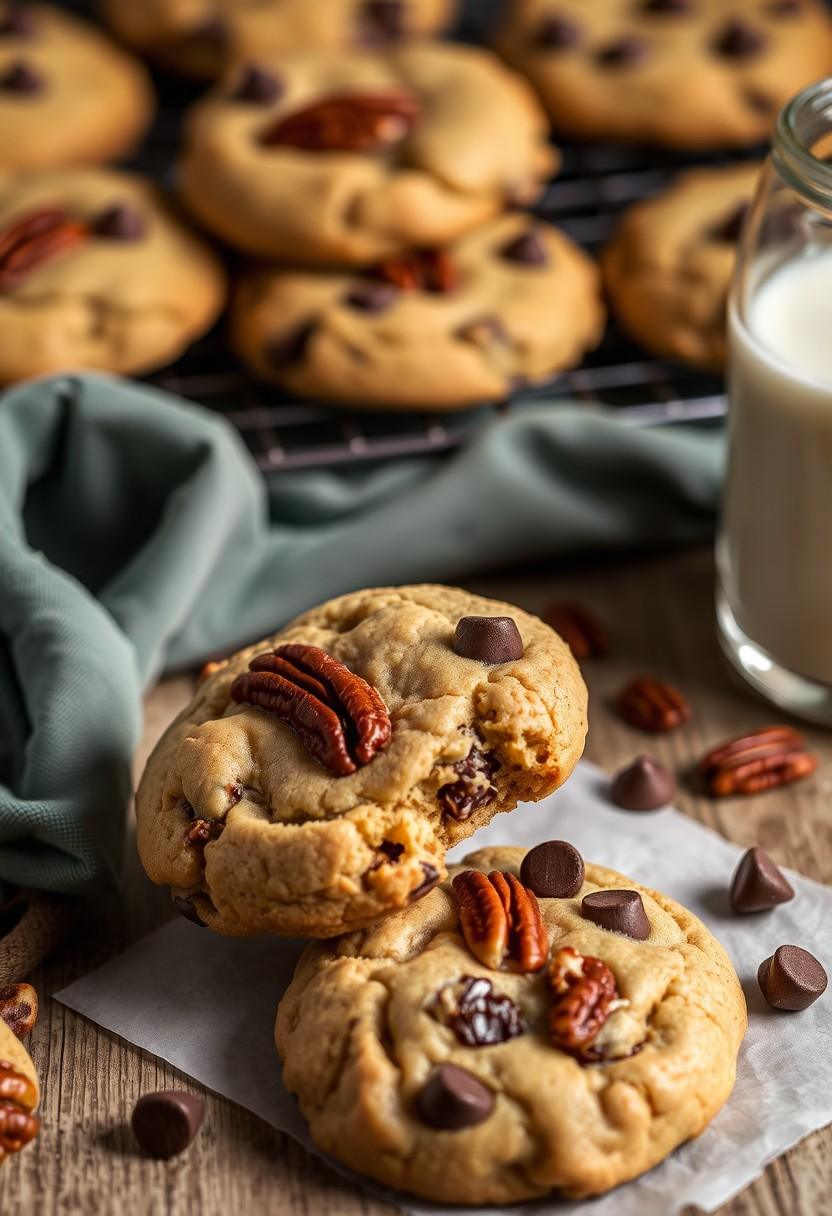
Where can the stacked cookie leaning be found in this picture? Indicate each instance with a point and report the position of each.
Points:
(474, 1017)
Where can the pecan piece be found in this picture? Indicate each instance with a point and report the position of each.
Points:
(18, 1098)
(35, 239)
(432, 270)
(500, 921)
(347, 122)
(761, 760)
(340, 718)
(19, 1008)
(652, 705)
(583, 633)
(584, 994)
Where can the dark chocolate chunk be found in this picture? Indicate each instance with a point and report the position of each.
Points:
(644, 785)
(428, 883)
(165, 1123)
(17, 22)
(121, 222)
(527, 249)
(185, 906)
(257, 86)
(673, 8)
(371, 297)
(730, 228)
(482, 1016)
(739, 40)
(462, 797)
(626, 51)
(383, 20)
(488, 639)
(618, 911)
(453, 1098)
(391, 849)
(791, 979)
(556, 33)
(290, 348)
(758, 883)
(553, 870)
(22, 78)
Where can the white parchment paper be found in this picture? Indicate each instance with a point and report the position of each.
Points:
(177, 994)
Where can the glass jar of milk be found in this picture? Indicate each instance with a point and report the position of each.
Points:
(774, 550)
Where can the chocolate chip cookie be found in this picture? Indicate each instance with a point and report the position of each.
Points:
(68, 96)
(684, 73)
(346, 158)
(200, 37)
(95, 271)
(497, 1042)
(509, 303)
(19, 1095)
(668, 268)
(316, 779)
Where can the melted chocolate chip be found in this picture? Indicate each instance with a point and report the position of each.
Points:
(430, 880)
(165, 1123)
(22, 78)
(624, 52)
(121, 222)
(257, 86)
(185, 906)
(371, 297)
(556, 33)
(618, 912)
(473, 787)
(391, 849)
(453, 1098)
(758, 884)
(739, 40)
(17, 22)
(527, 250)
(488, 639)
(291, 348)
(553, 870)
(729, 229)
(791, 979)
(383, 20)
(483, 1017)
(644, 785)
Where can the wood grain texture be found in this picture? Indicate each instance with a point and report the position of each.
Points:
(659, 612)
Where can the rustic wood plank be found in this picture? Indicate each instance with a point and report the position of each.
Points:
(659, 610)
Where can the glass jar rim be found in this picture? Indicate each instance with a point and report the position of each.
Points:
(800, 124)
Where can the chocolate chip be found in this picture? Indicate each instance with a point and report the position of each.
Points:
(553, 870)
(488, 639)
(791, 979)
(527, 249)
(257, 86)
(738, 40)
(644, 785)
(21, 78)
(383, 20)
(291, 348)
(624, 52)
(185, 906)
(453, 1098)
(17, 22)
(121, 222)
(462, 797)
(672, 7)
(617, 911)
(371, 297)
(483, 1017)
(391, 849)
(165, 1123)
(729, 229)
(426, 886)
(758, 884)
(556, 33)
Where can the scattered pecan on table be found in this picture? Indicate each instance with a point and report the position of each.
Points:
(36, 238)
(500, 921)
(761, 760)
(348, 122)
(583, 633)
(653, 705)
(584, 994)
(340, 718)
(18, 1099)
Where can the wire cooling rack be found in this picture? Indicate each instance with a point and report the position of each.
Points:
(595, 183)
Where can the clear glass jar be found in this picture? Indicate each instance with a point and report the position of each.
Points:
(774, 548)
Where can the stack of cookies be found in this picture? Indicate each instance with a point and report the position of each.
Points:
(488, 1033)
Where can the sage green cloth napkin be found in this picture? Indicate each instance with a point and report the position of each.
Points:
(137, 535)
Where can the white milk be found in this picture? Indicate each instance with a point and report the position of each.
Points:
(776, 542)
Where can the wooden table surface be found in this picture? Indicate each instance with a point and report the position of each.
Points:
(659, 612)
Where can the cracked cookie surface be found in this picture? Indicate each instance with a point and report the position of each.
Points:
(365, 1023)
(476, 139)
(290, 848)
(68, 95)
(525, 302)
(128, 296)
(683, 73)
(668, 268)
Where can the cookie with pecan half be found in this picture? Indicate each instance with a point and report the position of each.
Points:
(504, 1072)
(344, 158)
(316, 780)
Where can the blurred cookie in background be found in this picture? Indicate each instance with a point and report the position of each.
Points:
(199, 37)
(327, 157)
(683, 73)
(668, 268)
(68, 95)
(508, 304)
(96, 272)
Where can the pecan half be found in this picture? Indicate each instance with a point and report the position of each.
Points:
(348, 122)
(762, 760)
(18, 1099)
(340, 718)
(35, 239)
(500, 921)
(584, 994)
(652, 705)
(585, 636)
(19, 1008)
(432, 270)
(473, 787)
